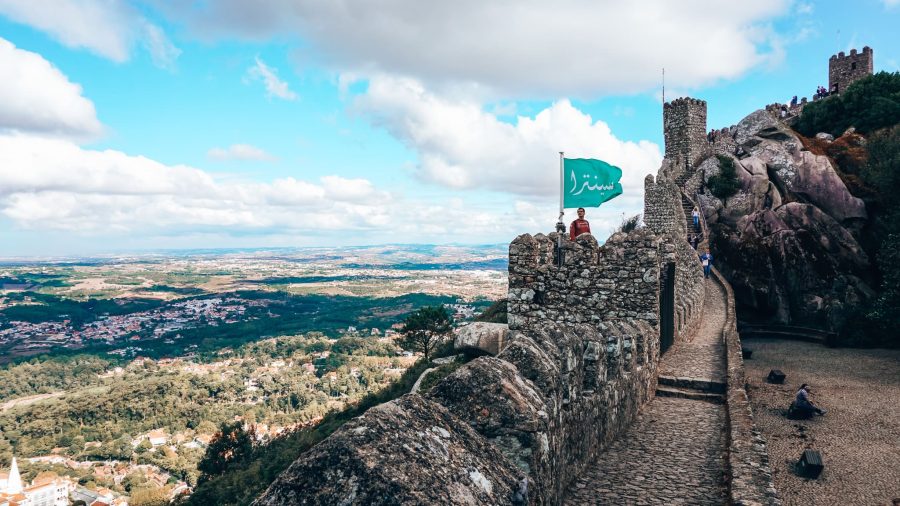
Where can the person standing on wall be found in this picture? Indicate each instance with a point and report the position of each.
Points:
(706, 259)
(579, 226)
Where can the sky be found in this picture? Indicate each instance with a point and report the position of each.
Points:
(133, 125)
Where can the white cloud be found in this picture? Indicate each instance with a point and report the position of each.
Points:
(460, 146)
(891, 3)
(37, 97)
(275, 87)
(523, 49)
(162, 51)
(243, 152)
(108, 28)
(55, 184)
(57, 188)
(101, 26)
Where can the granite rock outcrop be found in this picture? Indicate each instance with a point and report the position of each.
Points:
(789, 239)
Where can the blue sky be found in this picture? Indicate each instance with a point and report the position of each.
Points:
(131, 125)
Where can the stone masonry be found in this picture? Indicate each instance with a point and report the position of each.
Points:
(684, 130)
(843, 69)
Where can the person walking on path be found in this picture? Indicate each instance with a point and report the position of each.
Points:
(706, 259)
(696, 215)
(803, 403)
(579, 226)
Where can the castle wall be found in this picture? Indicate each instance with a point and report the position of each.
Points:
(617, 280)
(664, 214)
(684, 130)
(843, 69)
(582, 359)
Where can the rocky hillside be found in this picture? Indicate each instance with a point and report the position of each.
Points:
(801, 238)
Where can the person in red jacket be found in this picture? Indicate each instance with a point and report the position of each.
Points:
(579, 226)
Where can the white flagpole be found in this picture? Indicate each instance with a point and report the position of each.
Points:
(561, 179)
(560, 226)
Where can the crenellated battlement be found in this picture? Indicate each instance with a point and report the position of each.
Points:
(844, 70)
(617, 280)
(684, 129)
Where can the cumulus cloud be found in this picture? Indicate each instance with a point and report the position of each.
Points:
(461, 146)
(101, 26)
(55, 185)
(242, 152)
(275, 87)
(37, 97)
(528, 48)
(108, 28)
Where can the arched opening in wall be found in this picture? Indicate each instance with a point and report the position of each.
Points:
(667, 307)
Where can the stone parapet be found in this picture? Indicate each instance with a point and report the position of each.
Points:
(750, 475)
(617, 280)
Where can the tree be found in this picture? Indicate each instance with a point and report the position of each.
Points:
(426, 328)
(725, 183)
(231, 444)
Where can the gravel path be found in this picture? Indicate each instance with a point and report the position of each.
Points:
(859, 438)
(674, 453)
(702, 357)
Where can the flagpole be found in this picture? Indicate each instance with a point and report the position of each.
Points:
(560, 226)
(561, 179)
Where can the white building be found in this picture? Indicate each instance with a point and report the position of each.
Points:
(46, 491)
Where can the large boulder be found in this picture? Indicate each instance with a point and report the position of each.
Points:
(794, 169)
(788, 239)
(409, 451)
(482, 337)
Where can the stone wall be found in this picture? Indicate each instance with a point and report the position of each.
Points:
(581, 360)
(684, 130)
(662, 206)
(843, 69)
(617, 280)
(750, 475)
(664, 214)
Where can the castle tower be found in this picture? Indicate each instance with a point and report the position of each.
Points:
(843, 70)
(684, 129)
(14, 482)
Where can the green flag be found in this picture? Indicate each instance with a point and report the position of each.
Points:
(589, 183)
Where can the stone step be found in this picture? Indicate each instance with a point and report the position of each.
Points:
(684, 393)
(700, 385)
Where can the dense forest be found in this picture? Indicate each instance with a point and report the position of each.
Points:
(259, 383)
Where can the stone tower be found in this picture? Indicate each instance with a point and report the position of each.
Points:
(843, 70)
(684, 128)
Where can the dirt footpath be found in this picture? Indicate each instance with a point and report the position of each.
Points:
(859, 438)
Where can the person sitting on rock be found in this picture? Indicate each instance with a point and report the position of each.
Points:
(579, 226)
(803, 405)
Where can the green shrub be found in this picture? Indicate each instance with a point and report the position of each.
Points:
(868, 105)
(725, 183)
